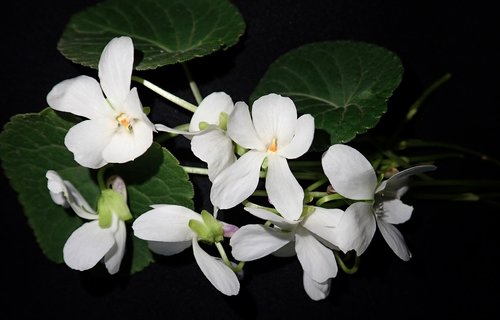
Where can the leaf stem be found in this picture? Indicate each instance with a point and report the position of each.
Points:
(316, 185)
(167, 95)
(192, 84)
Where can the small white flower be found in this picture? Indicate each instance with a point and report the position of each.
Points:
(90, 243)
(275, 133)
(117, 130)
(166, 228)
(214, 147)
(310, 237)
(353, 177)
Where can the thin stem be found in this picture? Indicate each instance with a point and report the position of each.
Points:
(224, 257)
(413, 143)
(344, 268)
(192, 84)
(168, 135)
(457, 183)
(316, 185)
(247, 203)
(412, 111)
(100, 178)
(195, 170)
(317, 194)
(328, 198)
(167, 95)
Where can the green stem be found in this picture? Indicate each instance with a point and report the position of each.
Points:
(457, 183)
(192, 84)
(427, 92)
(316, 185)
(344, 268)
(412, 111)
(167, 95)
(100, 178)
(228, 263)
(328, 198)
(247, 203)
(196, 170)
(168, 135)
(434, 157)
(414, 143)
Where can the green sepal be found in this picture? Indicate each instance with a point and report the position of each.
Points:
(214, 226)
(111, 202)
(223, 117)
(200, 229)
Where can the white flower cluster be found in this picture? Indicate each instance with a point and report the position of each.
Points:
(117, 131)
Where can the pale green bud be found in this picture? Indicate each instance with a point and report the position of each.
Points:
(223, 121)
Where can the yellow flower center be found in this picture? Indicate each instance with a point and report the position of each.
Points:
(273, 146)
(124, 121)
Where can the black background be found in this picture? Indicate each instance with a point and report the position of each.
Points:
(454, 269)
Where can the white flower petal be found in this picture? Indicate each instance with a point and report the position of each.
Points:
(241, 128)
(316, 290)
(57, 189)
(88, 139)
(283, 190)
(349, 172)
(356, 228)
(301, 141)
(317, 260)
(270, 216)
(115, 69)
(113, 258)
(274, 116)
(322, 222)
(398, 181)
(238, 181)
(132, 107)
(220, 275)
(395, 212)
(87, 245)
(168, 248)
(216, 149)
(167, 223)
(125, 146)
(81, 96)
(65, 194)
(252, 242)
(79, 204)
(210, 109)
(394, 239)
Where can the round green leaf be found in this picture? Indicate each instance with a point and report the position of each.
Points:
(163, 31)
(31, 144)
(344, 85)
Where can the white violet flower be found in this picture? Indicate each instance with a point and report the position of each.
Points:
(309, 236)
(117, 130)
(104, 237)
(353, 177)
(214, 147)
(169, 229)
(273, 133)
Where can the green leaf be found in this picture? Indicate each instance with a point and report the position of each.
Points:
(31, 144)
(344, 85)
(163, 31)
